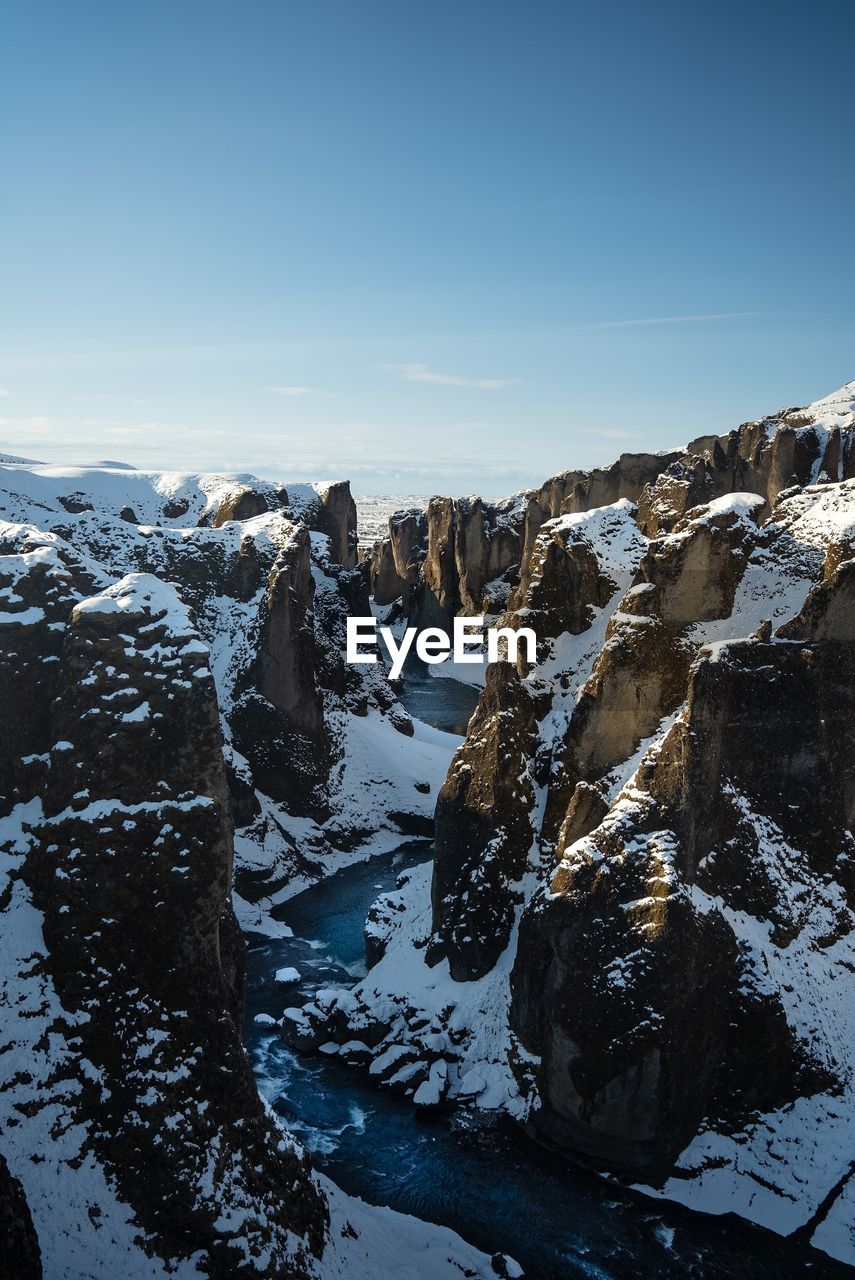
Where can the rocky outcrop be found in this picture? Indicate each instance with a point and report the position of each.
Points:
(572, 492)
(387, 585)
(483, 830)
(486, 833)
(743, 808)
(125, 852)
(641, 674)
(795, 447)
(328, 509)
(471, 543)
(408, 536)
(394, 562)
(278, 717)
(829, 611)
(243, 504)
(561, 581)
(337, 519)
(440, 562)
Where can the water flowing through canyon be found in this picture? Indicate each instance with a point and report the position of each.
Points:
(464, 1168)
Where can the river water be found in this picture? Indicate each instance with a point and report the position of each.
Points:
(473, 1172)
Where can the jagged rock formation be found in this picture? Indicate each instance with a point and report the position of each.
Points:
(126, 702)
(117, 827)
(465, 546)
(440, 562)
(394, 562)
(278, 720)
(561, 580)
(794, 447)
(641, 674)
(742, 812)
(331, 510)
(469, 544)
(489, 857)
(641, 938)
(573, 492)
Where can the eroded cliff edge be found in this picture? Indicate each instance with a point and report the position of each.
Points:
(153, 628)
(640, 934)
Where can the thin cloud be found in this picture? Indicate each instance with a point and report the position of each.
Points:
(295, 391)
(698, 319)
(615, 435)
(4, 392)
(421, 373)
(28, 424)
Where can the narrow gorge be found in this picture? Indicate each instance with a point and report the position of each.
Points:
(612, 959)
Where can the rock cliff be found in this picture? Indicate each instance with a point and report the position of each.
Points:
(121, 943)
(440, 562)
(465, 546)
(139, 659)
(640, 939)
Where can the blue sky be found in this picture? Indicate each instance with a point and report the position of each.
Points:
(438, 247)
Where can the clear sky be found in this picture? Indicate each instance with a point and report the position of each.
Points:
(434, 245)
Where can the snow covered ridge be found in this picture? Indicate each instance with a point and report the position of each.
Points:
(621, 825)
(180, 719)
(135, 661)
(465, 555)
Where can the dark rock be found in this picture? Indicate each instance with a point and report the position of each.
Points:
(20, 1257)
(613, 965)
(75, 503)
(175, 508)
(131, 868)
(240, 504)
(483, 829)
(337, 519)
(412, 824)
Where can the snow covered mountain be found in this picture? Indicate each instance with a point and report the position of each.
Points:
(638, 936)
(177, 720)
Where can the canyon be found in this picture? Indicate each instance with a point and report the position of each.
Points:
(635, 941)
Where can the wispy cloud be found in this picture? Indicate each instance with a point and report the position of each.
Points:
(421, 373)
(649, 320)
(608, 434)
(28, 424)
(295, 391)
(3, 392)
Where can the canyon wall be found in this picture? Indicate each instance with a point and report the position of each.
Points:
(641, 933)
(465, 546)
(182, 741)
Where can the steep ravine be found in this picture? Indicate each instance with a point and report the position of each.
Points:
(638, 937)
(472, 1171)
